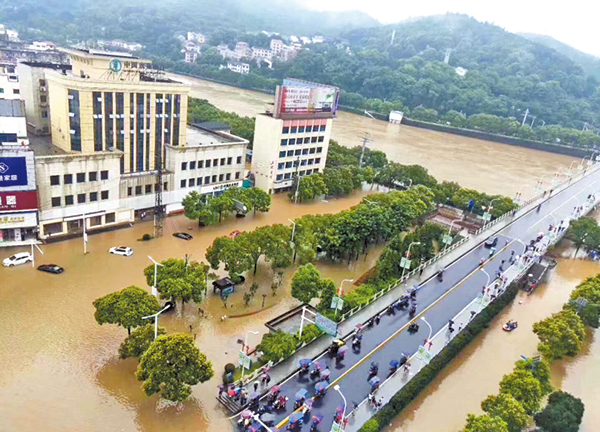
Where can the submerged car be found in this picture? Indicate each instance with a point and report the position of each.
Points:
(51, 268)
(17, 259)
(121, 250)
(183, 236)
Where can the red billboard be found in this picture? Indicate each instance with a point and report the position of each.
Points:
(18, 200)
(297, 97)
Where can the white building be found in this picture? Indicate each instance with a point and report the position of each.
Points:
(226, 53)
(261, 53)
(43, 46)
(9, 82)
(196, 37)
(237, 67)
(13, 125)
(461, 71)
(276, 46)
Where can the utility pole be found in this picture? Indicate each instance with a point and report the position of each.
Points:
(84, 235)
(159, 214)
(366, 139)
(525, 116)
(297, 180)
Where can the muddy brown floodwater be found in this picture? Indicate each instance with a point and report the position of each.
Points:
(60, 371)
(477, 371)
(483, 165)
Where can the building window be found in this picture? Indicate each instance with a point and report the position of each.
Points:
(53, 228)
(304, 151)
(227, 176)
(129, 191)
(69, 200)
(193, 165)
(110, 218)
(290, 153)
(80, 177)
(303, 163)
(313, 140)
(138, 190)
(198, 181)
(286, 130)
(96, 220)
(279, 176)
(93, 196)
(308, 128)
(108, 119)
(104, 195)
(298, 152)
(306, 140)
(318, 160)
(148, 189)
(42, 83)
(302, 173)
(222, 161)
(183, 166)
(294, 129)
(191, 182)
(311, 161)
(281, 154)
(316, 170)
(288, 164)
(293, 141)
(208, 163)
(93, 176)
(165, 188)
(200, 164)
(44, 114)
(300, 129)
(319, 149)
(280, 165)
(207, 180)
(54, 180)
(183, 183)
(80, 198)
(215, 162)
(287, 176)
(221, 177)
(321, 138)
(284, 142)
(97, 114)
(55, 201)
(238, 160)
(312, 150)
(43, 98)
(103, 175)
(322, 128)
(74, 120)
(229, 160)
(214, 179)
(308, 172)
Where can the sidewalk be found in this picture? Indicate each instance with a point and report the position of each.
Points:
(284, 369)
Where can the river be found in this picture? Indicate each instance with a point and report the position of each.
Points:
(477, 164)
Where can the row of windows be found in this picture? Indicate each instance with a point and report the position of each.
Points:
(208, 179)
(304, 162)
(303, 129)
(299, 152)
(15, 91)
(81, 198)
(68, 178)
(306, 140)
(287, 176)
(207, 164)
(147, 189)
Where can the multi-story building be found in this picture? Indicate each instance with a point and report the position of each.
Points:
(34, 92)
(196, 37)
(18, 195)
(242, 49)
(13, 126)
(237, 67)
(261, 53)
(9, 82)
(226, 53)
(293, 140)
(276, 46)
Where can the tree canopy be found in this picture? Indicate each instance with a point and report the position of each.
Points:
(138, 341)
(171, 365)
(523, 387)
(484, 423)
(560, 335)
(563, 413)
(507, 408)
(277, 345)
(125, 308)
(179, 279)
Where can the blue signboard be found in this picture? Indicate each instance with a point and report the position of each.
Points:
(13, 171)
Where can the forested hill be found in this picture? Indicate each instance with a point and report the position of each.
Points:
(506, 73)
(155, 22)
(589, 63)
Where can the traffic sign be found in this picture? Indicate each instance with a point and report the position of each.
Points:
(424, 355)
(447, 239)
(325, 324)
(244, 360)
(337, 303)
(487, 216)
(336, 427)
(404, 263)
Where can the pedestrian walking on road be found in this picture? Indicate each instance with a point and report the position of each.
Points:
(473, 313)
(421, 272)
(221, 389)
(268, 379)
(377, 319)
(255, 385)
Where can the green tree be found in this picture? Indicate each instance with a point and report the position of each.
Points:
(222, 204)
(564, 412)
(484, 423)
(138, 341)
(225, 250)
(259, 199)
(540, 369)
(522, 385)
(195, 206)
(328, 290)
(588, 291)
(582, 231)
(125, 308)
(171, 365)
(560, 335)
(179, 279)
(306, 283)
(508, 409)
(277, 345)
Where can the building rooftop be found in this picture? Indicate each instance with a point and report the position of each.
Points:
(12, 108)
(46, 65)
(98, 53)
(215, 126)
(199, 136)
(42, 146)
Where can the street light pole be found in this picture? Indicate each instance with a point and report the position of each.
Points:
(450, 231)
(428, 325)
(32, 252)
(154, 289)
(408, 255)
(488, 276)
(155, 316)
(339, 293)
(337, 388)
(246, 349)
(293, 229)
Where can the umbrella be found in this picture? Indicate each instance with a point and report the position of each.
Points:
(247, 414)
(255, 427)
(294, 417)
(343, 350)
(254, 395)
(374, 381)
(320, 386)
(305, 362)
(319, 365)
(394, 363)
(339, 409)
(265, 368)
(359, 327)
(374, 364)
(309, 403)
(325, 373)
(276, 389)
(318, 418)
(267, 417)
(300, 394)
(231, 393)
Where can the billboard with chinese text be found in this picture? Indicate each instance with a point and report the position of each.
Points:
(300, 97)
(10, 201)
(13, 171)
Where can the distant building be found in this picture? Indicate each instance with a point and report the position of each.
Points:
(396, 117)
(9, 82)
(226, 53)
(237, 67)
(191, 51)
(261, 53)
(317, 39)
(13, 125)
(43, 46)
(461, 71)
(196, 37)
(277, 46)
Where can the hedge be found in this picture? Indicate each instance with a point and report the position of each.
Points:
(419, 382)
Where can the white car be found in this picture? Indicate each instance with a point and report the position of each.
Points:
(121, 250)
(16, 259)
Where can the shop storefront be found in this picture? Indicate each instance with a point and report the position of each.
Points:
(18, 228)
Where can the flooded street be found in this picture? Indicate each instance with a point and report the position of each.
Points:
(483, 165)
(477, 371)
(60, 371)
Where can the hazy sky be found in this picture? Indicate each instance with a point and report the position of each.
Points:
(574, 22)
